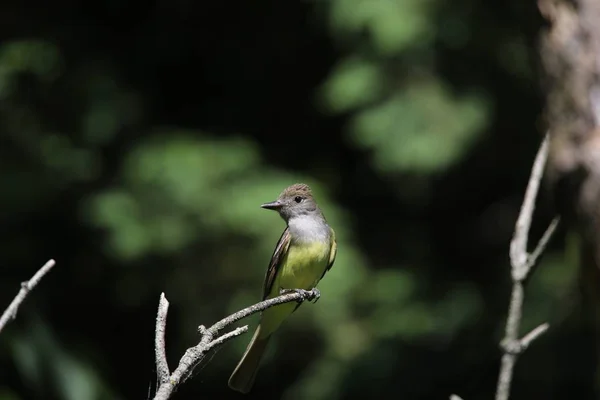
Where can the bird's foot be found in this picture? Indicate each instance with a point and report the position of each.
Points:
(312, 295)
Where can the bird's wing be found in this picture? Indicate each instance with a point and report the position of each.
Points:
(332, 253)
(280, 250)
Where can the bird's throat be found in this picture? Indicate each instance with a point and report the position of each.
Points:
(309, 228)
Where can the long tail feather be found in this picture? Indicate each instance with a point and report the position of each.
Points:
(242, 378)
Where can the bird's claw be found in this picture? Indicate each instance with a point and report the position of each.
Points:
(312, 295)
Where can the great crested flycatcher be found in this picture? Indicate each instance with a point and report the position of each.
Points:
(304, 253)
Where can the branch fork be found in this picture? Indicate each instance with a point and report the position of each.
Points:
(522, 266)
(210, 339)
(519, 346)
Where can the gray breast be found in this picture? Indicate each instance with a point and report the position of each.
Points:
(309, 228)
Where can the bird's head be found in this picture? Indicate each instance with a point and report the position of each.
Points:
(295, 200)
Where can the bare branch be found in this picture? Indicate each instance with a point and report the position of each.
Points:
(522, 264)
(299, 295)
(518, 245)
(162, 366)
(210, 339)
(228, 336)
(534, 334)
(11, 312)
(541, 246)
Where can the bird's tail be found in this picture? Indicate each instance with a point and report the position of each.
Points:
(244, 374)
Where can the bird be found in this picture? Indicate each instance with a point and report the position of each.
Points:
(304, 253)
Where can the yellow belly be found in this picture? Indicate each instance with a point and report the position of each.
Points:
(302, 268)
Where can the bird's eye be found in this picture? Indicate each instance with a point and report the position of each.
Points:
(298, 199)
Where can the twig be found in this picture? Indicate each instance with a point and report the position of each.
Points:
(541, 246)
(210, 339)
(518, 245)
(162, 366)
(534, 334)
(522, 264)
(11, 312)
(228, 336)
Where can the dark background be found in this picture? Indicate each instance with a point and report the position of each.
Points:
(137, 140)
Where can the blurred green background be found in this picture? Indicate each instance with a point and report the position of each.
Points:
(138, 139)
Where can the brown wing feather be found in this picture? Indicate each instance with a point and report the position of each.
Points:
(332, 253)
(280, 249)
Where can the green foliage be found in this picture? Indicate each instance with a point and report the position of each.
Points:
(73, 163)
(34, 56)
(414, 123)
(48, 367)
(392, 26)
(354, 83)
(109, 108)
(421, 129)
(181, 187)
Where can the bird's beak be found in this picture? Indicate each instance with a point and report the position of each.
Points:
(274, 205)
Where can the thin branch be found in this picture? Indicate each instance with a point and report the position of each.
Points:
(11, 312)
(298, 295)
(162, 366)
(518, 245)
(210, 339)
(522, 264)
(534, 334)
(228, 336)
(541, 246)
